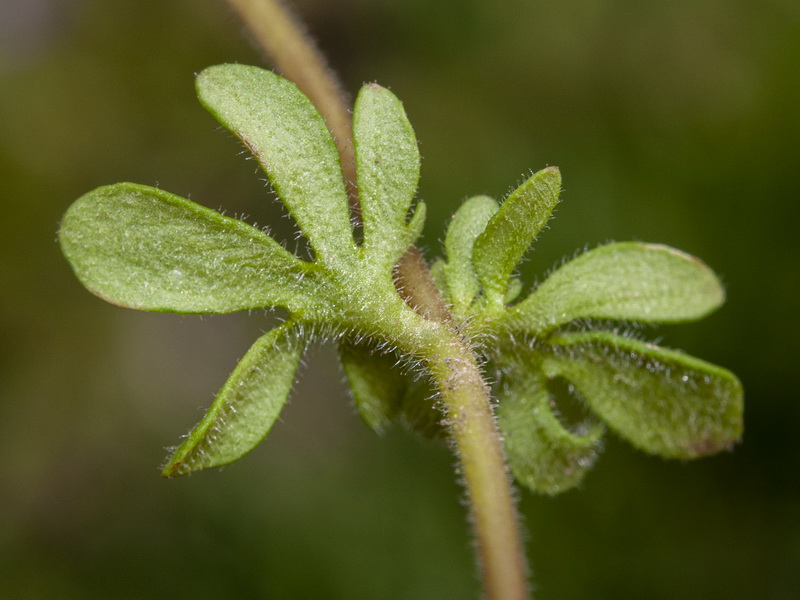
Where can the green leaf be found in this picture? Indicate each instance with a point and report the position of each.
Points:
(387, 163)
(514, 290)
(377, 386)
(437, 269)
(141, 247)
(415, 225)
(662, 401)
(383, 394)
(627, 281)
(246, 407)
(543, 455)
(421, 411)
(512, 230)
(288, 137)
(467, 224)
(437, 274)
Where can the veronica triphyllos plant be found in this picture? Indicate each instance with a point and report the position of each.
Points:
(424, 364)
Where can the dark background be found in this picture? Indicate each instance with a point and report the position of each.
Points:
(672, 122)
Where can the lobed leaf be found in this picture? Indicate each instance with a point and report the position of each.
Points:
(246, 407)
(543, 455)
(514, 290)
(626, 281)
(288, 137)
(376, 386)
(384, 395)
(420, 410)
(387, 163)
(467, 224)
(141, 247)
(440, 281)
(415, 226)
(512, 230)
(662, 401)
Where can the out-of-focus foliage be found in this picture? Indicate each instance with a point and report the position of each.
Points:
(674, 123)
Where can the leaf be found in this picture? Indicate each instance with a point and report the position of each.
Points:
(288, 137)
(421, 411)
(512, 230)
(543, 455)
(246, 407)
(626, 281)
(144, 248)
(383, 394)
(415, 226)
(439, 280)
(467, 224)
(513, 291)
(377, 387)
(662, 401)
(387, 163)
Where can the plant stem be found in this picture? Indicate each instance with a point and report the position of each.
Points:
(472, 425)
(453, 365)
(287, 44)
(414, 283)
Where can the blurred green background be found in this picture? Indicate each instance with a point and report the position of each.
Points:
(672, 122)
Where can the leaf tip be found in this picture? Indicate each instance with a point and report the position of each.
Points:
(180, 461)
(552, 173)
(171, 471)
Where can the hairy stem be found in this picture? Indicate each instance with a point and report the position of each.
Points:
(454, 366)
(415, 284)
(472, 425)
(294, 54)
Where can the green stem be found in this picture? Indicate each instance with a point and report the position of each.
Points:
(287, 44)
(472, 425)
(415, 284)
(453, 365)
